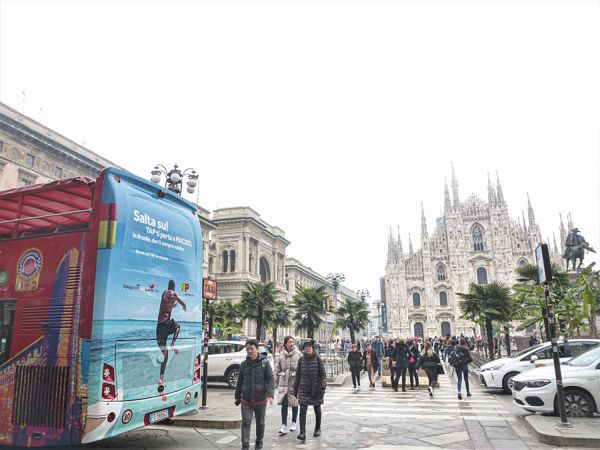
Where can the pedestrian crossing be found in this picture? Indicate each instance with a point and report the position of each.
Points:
(416, 404)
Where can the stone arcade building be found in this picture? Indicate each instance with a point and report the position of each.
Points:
(474, 241)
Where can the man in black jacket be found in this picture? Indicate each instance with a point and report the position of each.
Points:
(255, 388)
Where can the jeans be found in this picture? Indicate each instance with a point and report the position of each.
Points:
(379, 357)
(412, 371)
(396, 377)
(259, 415)
(462, 371)
(355, 376)
(303, 410)
(284, 411)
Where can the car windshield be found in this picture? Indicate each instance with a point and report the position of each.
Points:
(527, 350)
(585, 359)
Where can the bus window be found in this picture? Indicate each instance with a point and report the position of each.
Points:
(7, 316)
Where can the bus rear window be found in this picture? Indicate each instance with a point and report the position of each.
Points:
(7, 316)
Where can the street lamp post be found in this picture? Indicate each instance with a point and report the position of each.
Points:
(378, 306)
(335, 279)
(174, 178)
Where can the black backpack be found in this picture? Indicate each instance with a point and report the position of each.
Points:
(457, 358)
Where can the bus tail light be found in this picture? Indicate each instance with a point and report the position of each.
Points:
(108, 373)
(107, 233)
(108, 391)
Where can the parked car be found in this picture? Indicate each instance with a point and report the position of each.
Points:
(535, 390)
(225, 357)
(498, 374)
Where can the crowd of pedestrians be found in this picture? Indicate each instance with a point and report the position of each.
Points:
(300, 380)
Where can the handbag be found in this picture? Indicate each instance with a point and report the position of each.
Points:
(440, 370)
(411, 360)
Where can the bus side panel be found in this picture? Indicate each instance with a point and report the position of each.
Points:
(144, 241)
(39, 404)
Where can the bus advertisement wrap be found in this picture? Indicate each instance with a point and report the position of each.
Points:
(147, 317)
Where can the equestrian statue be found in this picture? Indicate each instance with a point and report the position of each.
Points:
(575, 247)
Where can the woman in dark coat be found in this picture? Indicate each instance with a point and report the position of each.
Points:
(370, 364)
(462, 369)
(401, 355)
(355, 363)
(309, 387)
(412, 366)
(429, 361)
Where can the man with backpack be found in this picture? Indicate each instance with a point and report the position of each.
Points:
(255, 388)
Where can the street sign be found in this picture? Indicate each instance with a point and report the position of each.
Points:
(209, 289)
(544, 268)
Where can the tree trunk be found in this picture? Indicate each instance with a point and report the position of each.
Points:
(507, 339)
(259, 322)
(310, 333)
(274, 340)
(490, 337)
(593, 327)
(352, 337)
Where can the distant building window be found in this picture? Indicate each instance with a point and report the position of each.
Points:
(30, 160)
(478, 238)
(522, 262)
(416, 300)
(482, 277)
(232, 260)
(58, 172)
(265, 270)
(443, 299)
(225, 260)
(419, 329)
(441, 272)
(445, 328)
(24, 182)
(211, 264)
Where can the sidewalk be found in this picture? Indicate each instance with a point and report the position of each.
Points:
(585, 432)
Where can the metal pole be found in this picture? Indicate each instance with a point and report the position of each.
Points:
(564, 423)
(207, 331)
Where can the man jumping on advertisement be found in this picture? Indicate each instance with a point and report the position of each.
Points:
(167, 326)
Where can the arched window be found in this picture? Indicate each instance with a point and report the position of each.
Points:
(265, 270)
(225, 260)
(482, 276)
(417, 300)
(522, 262)
(232, 260)
(211, 264)
(419, 330)
(443, 299)
(445, 329)
(441, 272)
(478, 238)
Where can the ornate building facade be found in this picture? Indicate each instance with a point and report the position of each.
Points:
(33, 153)
(475, 241)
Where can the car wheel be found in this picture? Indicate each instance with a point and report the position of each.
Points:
(231, 377)
(507, 382)
(577, 404)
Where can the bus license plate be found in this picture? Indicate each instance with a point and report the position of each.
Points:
(159, 416)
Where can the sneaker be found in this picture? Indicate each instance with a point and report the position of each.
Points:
(459, 396)
(283, 429)
(430, 391)
(293, 426)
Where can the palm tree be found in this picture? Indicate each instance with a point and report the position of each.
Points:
(589, 282)
(309, 306)
(226, 316)
(277, 316)
(353, 315)
(256, 298)
(490, 302)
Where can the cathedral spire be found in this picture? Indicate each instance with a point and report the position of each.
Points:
(410, 247)
(400, 249)
(491, 192)
(524, 222)
(423, 223)
(570, 222)
(499, 193)
(554, 238)
(447, 204)
(455, 199)
(530, 213)
(563, 232)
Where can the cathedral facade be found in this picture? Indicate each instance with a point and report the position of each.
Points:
(475, 241)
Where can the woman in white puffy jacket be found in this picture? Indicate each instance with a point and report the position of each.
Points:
(285, 373)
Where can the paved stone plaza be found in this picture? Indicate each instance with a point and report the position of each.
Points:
(372, 419)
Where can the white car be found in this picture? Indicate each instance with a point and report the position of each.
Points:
(225, 357)
(498, 374)
(535, 390)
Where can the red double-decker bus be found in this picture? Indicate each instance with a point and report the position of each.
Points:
(100, 308)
